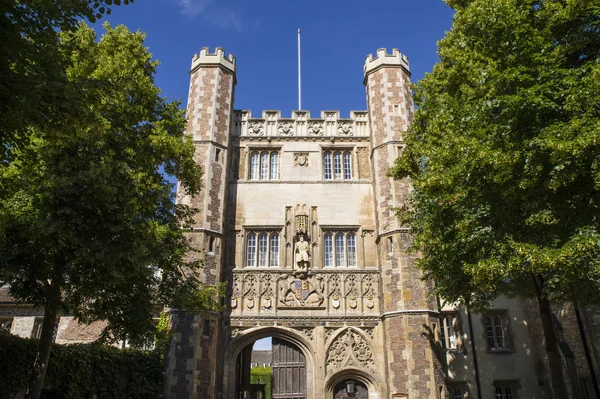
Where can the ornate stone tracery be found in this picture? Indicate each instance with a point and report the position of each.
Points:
(349, 348)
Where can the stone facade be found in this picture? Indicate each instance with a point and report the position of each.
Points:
(296, 215)
(278, 192)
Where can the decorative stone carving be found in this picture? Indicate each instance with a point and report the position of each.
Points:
(249, 290)
(235, 291)
(345, 129)
(370, 331)
(286, 129)
(256, 129)
(309, 332)
(351, 292)
(315, 129)
(335, 292)
(349, 348)
(295, 292)
(329, 332)
(266, 291)
(301, 159)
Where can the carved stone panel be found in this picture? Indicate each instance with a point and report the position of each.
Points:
(349, 348)
(301, 159)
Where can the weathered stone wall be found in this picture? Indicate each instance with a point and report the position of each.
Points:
(195, 358)
(407, 302)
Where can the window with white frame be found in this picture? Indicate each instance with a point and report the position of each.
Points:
(340, 249)
(337, 165)
(448, 331)
(505, 390)
(495, 326)
(264, 165)
(262, 249)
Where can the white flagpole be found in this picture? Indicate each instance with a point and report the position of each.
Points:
(299, 75)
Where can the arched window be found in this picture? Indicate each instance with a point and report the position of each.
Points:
(263, 252)
(264, 165)
(337, 165)
(274, 165)
(274, 255)
(254, 166)
(448, 333)
(327, 165)
(494, 330)
(351, 248)
(339, 250)
(251, 251)
(328, 249)
(347, 166)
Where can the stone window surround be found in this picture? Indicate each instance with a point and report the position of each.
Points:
(251, 150)
(499, 389)
(341, 149)
(345, 230)
(504, 317)
(445, 329)
(257, 231)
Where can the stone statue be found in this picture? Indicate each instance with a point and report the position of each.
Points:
(302, 254)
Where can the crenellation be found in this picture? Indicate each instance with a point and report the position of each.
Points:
(218, 58)
(383, 59)
(300, 124)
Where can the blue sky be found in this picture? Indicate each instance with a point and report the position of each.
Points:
(336, 37)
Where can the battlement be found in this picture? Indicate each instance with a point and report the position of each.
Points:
(217, 58)
(384, 59)
(301, 124)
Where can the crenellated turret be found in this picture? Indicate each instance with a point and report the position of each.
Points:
(407, 301)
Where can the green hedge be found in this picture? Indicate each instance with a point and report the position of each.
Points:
(82, 370)
(264, 374)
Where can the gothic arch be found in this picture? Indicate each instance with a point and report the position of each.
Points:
(349, 348)
(355, 374)
(246, 337)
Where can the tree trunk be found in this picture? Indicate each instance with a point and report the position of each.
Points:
(40, 365)
(556, 374)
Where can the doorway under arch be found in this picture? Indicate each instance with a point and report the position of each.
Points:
(350, 388)
(289, 360)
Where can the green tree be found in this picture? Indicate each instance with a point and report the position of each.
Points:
(88, 223)
(31, 76)
(262, 375)
(504, 158)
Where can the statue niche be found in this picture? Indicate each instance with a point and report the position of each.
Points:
(302, 255)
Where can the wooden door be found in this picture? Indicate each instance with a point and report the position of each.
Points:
(360, 391)
(289, 371)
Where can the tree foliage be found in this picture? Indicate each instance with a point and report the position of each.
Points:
(504, 154)
(31, 73)
(88, 223)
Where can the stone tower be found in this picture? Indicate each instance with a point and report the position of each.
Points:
(194, 363)
(407, 303)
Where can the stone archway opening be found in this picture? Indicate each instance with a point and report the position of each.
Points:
(271, 368)
(350, 388)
